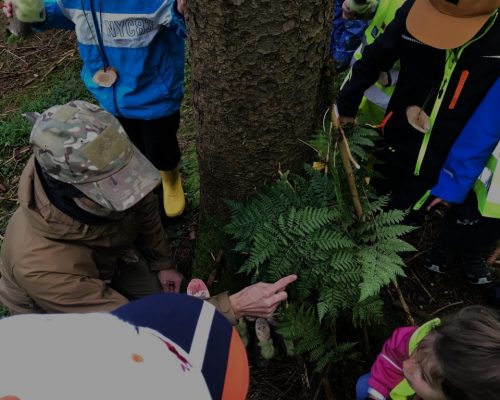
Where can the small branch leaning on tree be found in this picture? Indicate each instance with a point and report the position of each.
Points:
(347, 159)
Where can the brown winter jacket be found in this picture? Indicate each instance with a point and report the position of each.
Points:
(52, 262)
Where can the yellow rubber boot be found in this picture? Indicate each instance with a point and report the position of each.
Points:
(174, 201)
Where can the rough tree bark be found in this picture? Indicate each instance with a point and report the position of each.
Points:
(256, 73)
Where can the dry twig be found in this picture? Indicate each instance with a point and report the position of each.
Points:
(403, 302)
(431, 297)
(347, 159)
(215, 268)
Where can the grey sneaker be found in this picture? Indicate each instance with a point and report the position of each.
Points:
(476, 271)
(438, 269)
(437, 260)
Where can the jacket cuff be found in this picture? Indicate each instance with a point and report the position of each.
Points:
(54, 18)
(347, 110)
(375, 394)
(449, 189)
(223, 305)
(178, 21)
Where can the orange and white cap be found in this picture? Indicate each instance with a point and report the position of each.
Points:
(100, 356)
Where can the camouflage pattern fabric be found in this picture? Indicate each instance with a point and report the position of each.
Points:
(84, 145)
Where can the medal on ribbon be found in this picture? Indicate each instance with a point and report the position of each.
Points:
(105, 77)
(418, 118)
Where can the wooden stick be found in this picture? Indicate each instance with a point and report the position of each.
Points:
(215, 268)
(16, 56)
(326, 387)
(346, 162)
(403, 302)
(358, 209)
(431, 297)
(53, 66)
(338, 125)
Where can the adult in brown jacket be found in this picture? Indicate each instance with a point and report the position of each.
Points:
(87, 235)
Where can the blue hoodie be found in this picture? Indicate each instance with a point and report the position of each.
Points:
(471, 150)
(143, 41)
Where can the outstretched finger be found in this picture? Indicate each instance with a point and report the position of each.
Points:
(281, 285)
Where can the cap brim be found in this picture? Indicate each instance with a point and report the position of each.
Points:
(237, 377)
(440, 30)
(127, 186)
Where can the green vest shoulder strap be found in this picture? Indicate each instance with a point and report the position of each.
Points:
(386, 10)
(385, 13)
(372, 108)
(403, 390)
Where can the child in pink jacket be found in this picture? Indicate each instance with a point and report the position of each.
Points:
(456, 359)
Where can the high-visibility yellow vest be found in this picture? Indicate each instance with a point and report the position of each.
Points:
(487, 187)
(374, 103)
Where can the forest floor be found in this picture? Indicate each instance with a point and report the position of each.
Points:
(43, 70)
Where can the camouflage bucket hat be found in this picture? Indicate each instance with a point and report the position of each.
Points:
(84, 145)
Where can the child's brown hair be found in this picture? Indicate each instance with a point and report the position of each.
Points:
(466, 348)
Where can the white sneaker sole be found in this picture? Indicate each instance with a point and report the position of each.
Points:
(437, 269)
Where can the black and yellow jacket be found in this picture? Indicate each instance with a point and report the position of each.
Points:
(420, 82)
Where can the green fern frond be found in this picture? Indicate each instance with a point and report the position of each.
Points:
(374, 205)
(368, 312)
(392, 232)
(378, 270)
(331, 239)
(336, 354)
(393, 245)
(343, 260)
(335, 297)
(306, 225)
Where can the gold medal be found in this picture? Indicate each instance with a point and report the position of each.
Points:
(418, 119)
(105, 77)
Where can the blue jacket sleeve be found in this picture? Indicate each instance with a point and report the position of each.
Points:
(55, 17)
(169, 16)
(471, 150)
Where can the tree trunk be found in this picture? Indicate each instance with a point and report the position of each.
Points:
(256, 74)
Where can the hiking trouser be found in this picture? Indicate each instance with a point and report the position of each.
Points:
(156, 139)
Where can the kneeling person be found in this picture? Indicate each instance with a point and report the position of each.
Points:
(87, 235)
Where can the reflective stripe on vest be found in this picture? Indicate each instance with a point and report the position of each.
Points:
(385, 13)
(487, 186)
(380, 95)
(377, 94)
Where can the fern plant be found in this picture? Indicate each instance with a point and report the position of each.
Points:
(306, 225)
